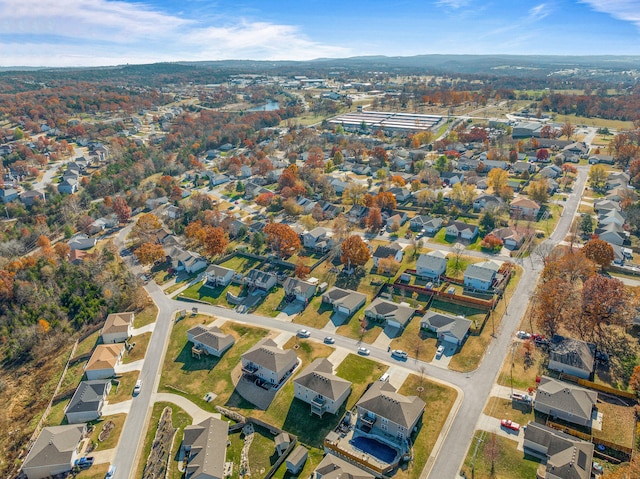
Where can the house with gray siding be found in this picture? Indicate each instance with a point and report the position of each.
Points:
(319, 387)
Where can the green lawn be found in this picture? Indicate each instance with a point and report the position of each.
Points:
(271, 302)
(179, 419)
(240, 264)
(112, 440)
(509, 463)
(361, 372)
(361, 329)
(139, 350)
(56, 413)
(146, 316)
(316, 315)
(216, 296)
(315, 457)
(74, 375)
(124, 390)
(86, 345)
(416, 342)
(439, 400)
(262, 454)
(192, 377)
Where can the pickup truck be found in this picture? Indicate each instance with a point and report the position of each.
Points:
(521, 397)
(509, 424)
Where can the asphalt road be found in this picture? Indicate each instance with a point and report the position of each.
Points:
(475, 387)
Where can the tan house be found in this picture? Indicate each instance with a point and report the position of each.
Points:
(319, 387)
(268, 362)
(117, 328)
(54, 452)
(102, 363)
(210, 339)
(522, 207)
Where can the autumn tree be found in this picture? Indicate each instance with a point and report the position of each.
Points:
(282, 239)
(215, 240)
(539, 190)
(146, 227)
(634, 383)
(497, 179)
(354, 194)
(555, 301)
(374, 219)
(491, 242)
(388, 266)
(599, 251)
(149, 253)
(542, 154)
(568, 129)
(571, 266)
(121, 209)
(264, 199)
(463, 194)
(62, 250)
(385, 200)
(302, 270)
(398, 180)
(355, 252)
(598, 177)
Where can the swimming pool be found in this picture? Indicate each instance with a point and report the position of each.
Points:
(375, 448)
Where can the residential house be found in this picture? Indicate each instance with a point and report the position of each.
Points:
(216, 275)
(295, 461)
(183, 260)
(612, 234)
(579, 148)
(429, 225)
(54, 452)
(298, 289)
(602, 206)
(462, 230)
(260, 280)
(117, 328)
(268, 362)
(274, 175)
(29, 198)
(451, 178)
(551, 171)
(431, 265)
(153, 203)
(319, 387)
(252, 190)
(398, 218)
(205, 447)
(599, 159)
(401, 194)
(8, 194)
(566, 401)
(102, 363)
(572, 356)
(306, 204)
(358, 213)
(563, 456)
(333, 467)
(487, 201)
(450, 329)
(210, 339)
(339, 185)
(173, 212)
(621, 255)
(219, 179)
(480, 276)
(344, 301)
(87, 402)
(392, 250)
(68, 186)
(329, 210)
(385, 413)
(311, 238)
(522, 207)
(611, 216)
(618, 179)
(512, 236)
(82, 242)
(77, 256)
(392, 314)
(620, 194)
(519, 167)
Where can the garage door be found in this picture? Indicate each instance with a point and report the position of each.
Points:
(394, 324)
(342, 309)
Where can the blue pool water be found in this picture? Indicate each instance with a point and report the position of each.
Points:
(375, 448)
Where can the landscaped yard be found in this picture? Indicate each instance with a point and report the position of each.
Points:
(73, 376)
(112, 440)
(508, 461)
(269, 305)
(262, 453)
(179, 419)
(360, 328)
(617, 424)
(124, 390)
(240, 264)
(192, 377)
(139, 350)
(439, 400)
(361, 372)
(316, 315)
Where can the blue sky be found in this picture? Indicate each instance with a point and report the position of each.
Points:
(106, 32)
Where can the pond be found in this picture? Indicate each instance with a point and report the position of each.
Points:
(269, 106)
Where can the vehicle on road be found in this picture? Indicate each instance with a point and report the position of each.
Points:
(329, 340)
(110, 472)
(399, 354)
(84, 462)
(364, 351)
(439, 351)
(509, 424)
(138, 387)
(303, 333)
(523, 335)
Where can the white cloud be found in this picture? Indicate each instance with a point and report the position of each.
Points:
(101, 32)
(627, 10)
(539, 11)
(456, 4)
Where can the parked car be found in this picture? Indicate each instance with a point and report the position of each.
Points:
(138, 387)
(523, 335)
(399, 354)
(329, 340)
(521, 397)
(364, 351)
(439, 351)
(110, 472)
(303, 333)
(509, 424)
(84, 462)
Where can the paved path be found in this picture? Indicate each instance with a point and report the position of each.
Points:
(103, 457)
(397, 376)
(144, 329)
(127, 368)
(197, 414)
(118, 408)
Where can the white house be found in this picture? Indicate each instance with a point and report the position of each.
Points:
(459, 229)
(301, 290)
(480, 276)
(311, 238)
(217, 275)
(102, 363)
(117, 328)
(431, 265)
(393, 250)
(319, 387)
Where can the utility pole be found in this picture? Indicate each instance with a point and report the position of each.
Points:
(513, 349)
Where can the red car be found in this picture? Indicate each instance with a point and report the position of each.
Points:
(509, 424)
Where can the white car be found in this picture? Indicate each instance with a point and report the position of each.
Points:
(303, 333)
(364, 351)
(329, 340)
(439, 351)
(138, 387)
(399, 354)
(523, 335)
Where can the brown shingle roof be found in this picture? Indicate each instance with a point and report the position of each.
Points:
(104, 356)
(117, 323)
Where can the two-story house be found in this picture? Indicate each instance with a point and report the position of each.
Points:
(480, 276)
(268, 362)
(319, 387)
(431, 265)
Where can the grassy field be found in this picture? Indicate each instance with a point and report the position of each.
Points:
(114, 436)
(146, 316)
(596, 122)
(139, 350)
(216, 296)
(508, 461)
(124, 390)
(617, 424)
(506, 409)
(439, 399)
(180, 419)
(56, 413)
(361, 372)
(241, 264)
(192, 377)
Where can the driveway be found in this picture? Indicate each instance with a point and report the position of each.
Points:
(444, 360)
(118, 408)
(144, 329)
(198, 414)
(127, 368)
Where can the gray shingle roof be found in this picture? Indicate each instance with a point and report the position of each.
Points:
(332, 467)
(442, 323)
(433, 261)
(384, 251)
(344, 297)
(565, 397)
(211, 336)
(319, 377)
(55, 445)
(390, 310)
(208, 441)
(267, 354)
(218, 270)
(88, 396)
(484, 271)
(294, 285)
(383, 400)
(572, 352)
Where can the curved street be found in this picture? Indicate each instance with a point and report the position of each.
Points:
(474, 387)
